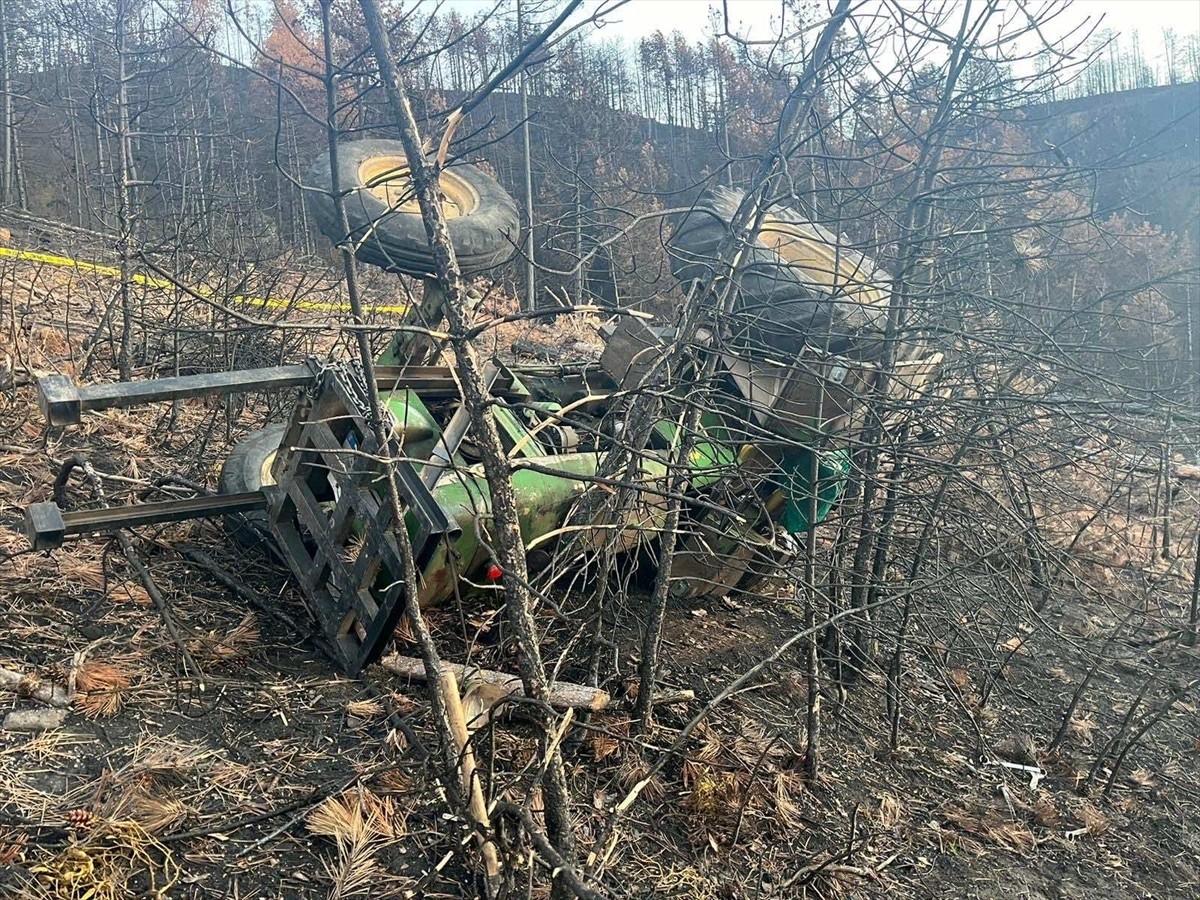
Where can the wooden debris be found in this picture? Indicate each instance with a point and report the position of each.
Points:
(31, 686)
(471, 786)
(561, 693)
(34, 719)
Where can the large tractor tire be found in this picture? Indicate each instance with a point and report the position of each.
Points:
(800, 281)
(248, 468)
(386, 228)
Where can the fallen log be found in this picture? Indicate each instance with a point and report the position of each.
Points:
(31, 686)
(561, 694)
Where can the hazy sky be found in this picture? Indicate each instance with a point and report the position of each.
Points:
(752, 18)
(639, 17)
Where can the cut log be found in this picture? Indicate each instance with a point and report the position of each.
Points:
(562, 693)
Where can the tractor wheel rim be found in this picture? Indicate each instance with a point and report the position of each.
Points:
(265, 478)
(389, 179)
(823, 263)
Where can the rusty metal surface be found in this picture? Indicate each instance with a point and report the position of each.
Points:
(63, 403)
(630, 351)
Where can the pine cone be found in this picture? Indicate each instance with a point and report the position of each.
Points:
(80, 819)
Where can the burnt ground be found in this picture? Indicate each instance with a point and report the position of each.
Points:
(281, 778)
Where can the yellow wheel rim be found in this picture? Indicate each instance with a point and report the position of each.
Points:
(821, 262)
(389, 179)
(265, 478)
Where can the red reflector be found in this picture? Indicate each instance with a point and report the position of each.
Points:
(494, 572)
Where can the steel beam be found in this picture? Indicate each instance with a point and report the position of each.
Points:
(63, 402)
(452, 436)
(46, 525)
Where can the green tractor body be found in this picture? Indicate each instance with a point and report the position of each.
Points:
(793, 369)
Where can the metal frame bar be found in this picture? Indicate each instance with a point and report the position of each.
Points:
(46, 525)
(453, 435)
(63, 402)
(338, 569)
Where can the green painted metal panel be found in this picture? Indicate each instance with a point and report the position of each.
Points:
(833, 470)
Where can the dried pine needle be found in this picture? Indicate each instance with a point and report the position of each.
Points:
(100, 688)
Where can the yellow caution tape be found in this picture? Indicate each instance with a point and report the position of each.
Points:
(138, 278)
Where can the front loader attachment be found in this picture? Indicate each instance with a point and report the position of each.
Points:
(330, 513)
(327, 507)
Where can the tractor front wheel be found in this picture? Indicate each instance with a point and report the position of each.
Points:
(248, 468)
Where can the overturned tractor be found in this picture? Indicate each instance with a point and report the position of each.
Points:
(798, 360)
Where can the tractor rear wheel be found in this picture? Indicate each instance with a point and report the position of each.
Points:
(798, 280)
(386, 228)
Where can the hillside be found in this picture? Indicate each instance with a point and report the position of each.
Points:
(1144, 146)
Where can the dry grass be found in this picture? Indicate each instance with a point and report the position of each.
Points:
(989, 826)
(633, 771)
(13, 845)
(365, 710)
(890, 811)
(236, 643)
(157, 814)
(117, 859)
(1095, 821)
(1045, 813)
